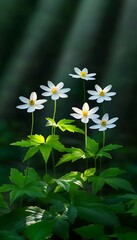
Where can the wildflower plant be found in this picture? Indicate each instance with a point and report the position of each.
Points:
(74, 204)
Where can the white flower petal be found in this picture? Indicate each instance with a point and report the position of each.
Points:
(106, 98)
(50, 84)
(23, 106)
(89, 78)
(105, 117)
(94, 93)
(85, 70)
(94, 126)
(55, 96)
(37, 106)
(106, 89)
(60, 85)
(97, 121)
(91, 74)
(111, 94)
(85, 119)
(40, 101)
(24, 99)
(93, 110)
(45, 88)
(75, 76)
(98, 88)
(33, 96)
(77, 70)
(112, 120)
(31, 109)
(77, 110)
(63, 95)
(77, 116)
(111, 126)
(100, 99)
(64, 90)
(102, 128)
(85, 107)
(46, 94)
(94, 116)
(93, 97)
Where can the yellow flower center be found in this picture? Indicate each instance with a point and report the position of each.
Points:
(54, 90)
(102, 93)
(31, 102)
(85, 113)
(103, 123)
(83, 74)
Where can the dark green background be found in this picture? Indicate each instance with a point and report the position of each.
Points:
(44, 40)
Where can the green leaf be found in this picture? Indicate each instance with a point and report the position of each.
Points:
(117, 183)
(6, 188)
(31, 152)
(17, 177)
(89, 172)
(92, 231)
(97, 213)
(76, 154)
(53, 141)
(45, 150)
(63, 184)
(39, 231)
(112, 172)
(51, 122)
(72, 213)
(97, 183)
(61, 227)
(104, 151)
(38, 139)
(127, 236)
(92, 146)
(64, 125)
(10, 235)
(23, 143)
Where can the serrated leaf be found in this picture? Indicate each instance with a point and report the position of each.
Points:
(17, 177)
(112, 172)
(45, 150)
(23, 143)
(10, 235)
(117, 183)
(89, 172)
(31, 152)
(111, 147)
(38, 139)
(51, 122)
(6, 188)
(64, 124)
(53, 141)
(76, 154)
(97, 184)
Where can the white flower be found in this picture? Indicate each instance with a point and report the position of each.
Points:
(85, 114)
(104, 123)
(83, 74)
(55, 92)
(101, 94)
(32, 103)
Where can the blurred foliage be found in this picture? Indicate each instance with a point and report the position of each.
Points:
(44, 40)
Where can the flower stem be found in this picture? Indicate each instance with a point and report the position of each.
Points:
(54, 114)
(84, 90)
(86, 143)
(53, 132)
(32, 123)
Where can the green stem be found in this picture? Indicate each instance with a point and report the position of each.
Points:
(84, 90)
(104, 137)
(32, 123)
(54, 114)
(86, 143)
(53, 132)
